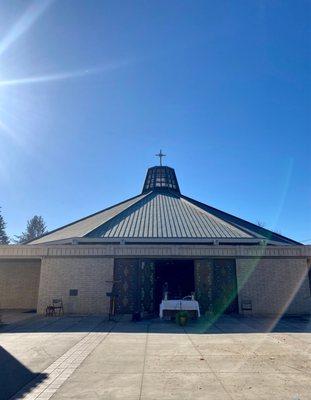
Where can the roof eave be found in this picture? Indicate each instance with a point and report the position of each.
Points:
(172, 240)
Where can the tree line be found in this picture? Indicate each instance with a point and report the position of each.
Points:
(35, 228)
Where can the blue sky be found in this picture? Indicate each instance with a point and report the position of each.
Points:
(90, 91)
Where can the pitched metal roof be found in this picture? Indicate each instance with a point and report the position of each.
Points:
(166, 215)
(161, 212)
(246, 225)
(83, 226)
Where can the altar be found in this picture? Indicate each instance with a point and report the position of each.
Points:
(177, 305)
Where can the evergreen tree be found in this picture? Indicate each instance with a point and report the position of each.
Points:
(4, 239)
(35, 228)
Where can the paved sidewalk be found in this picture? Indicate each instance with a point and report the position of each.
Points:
(16, 317)
(236, 358)
(28, 349)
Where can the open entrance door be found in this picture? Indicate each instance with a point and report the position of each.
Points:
(175, 275)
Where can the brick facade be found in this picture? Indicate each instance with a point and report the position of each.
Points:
(275, 279)
(19, 284)
(274, 286)
(87, 275)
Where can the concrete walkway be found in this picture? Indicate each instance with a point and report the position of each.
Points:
(88, 358)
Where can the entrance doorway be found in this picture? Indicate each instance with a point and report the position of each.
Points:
(141, 283)
(177, 276)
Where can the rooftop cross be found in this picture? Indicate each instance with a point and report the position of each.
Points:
(160, 155)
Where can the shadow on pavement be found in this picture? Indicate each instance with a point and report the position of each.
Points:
(223, 324)
(14, 376)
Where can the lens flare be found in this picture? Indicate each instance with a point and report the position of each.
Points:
(24, 23)
(61, 76)
(210, 323)
(288, 177)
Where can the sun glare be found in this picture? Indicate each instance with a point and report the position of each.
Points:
(25, 22)
(64, 75)
(15, 109)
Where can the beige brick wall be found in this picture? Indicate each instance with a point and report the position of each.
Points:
(88, 275)
(19, 284)
(274, 285)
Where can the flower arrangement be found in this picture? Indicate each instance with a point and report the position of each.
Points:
(182, 318)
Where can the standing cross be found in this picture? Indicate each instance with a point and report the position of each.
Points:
(160, 155)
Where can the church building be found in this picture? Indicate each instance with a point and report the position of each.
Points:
(158, 238)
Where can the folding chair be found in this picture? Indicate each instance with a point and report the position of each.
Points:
(57, 304)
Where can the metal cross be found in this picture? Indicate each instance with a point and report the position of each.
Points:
(160, 155)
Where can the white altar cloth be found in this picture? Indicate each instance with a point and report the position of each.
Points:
(179, 305)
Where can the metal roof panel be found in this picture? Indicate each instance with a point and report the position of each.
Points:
(166, 215)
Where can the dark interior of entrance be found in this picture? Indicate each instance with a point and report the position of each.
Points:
(179, 277)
